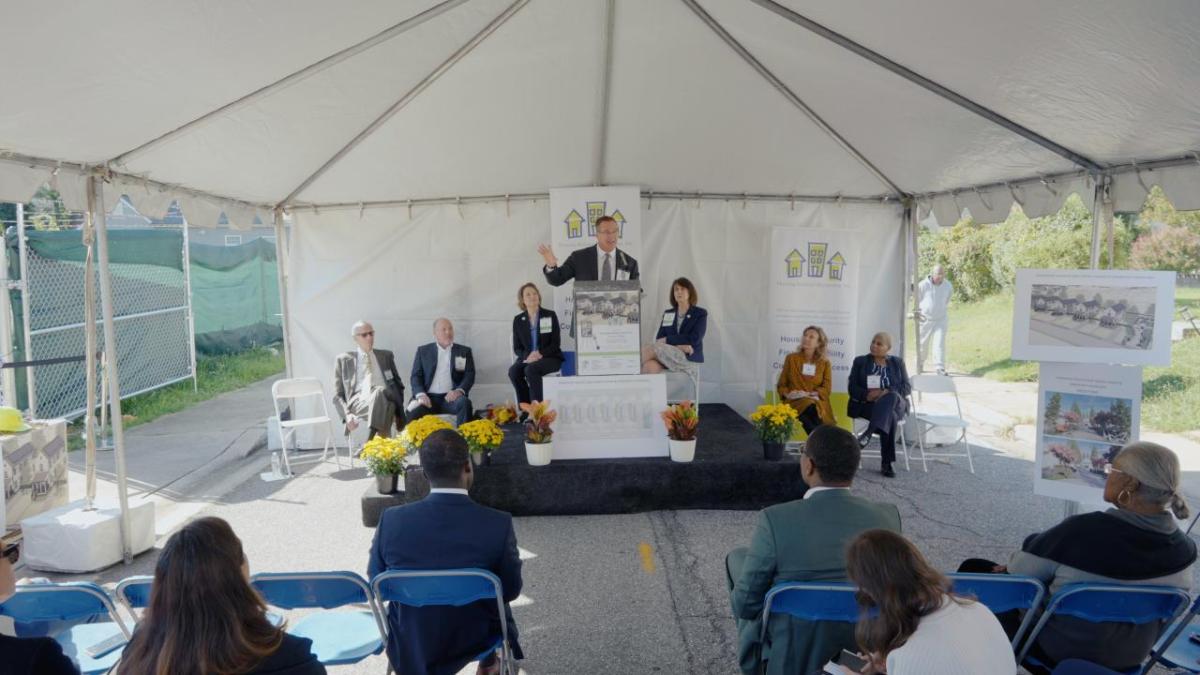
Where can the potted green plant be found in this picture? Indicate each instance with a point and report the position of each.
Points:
(682, 422)
(774, 424)
(538, 432)
(482, 436)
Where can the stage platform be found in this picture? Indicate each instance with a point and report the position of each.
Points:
(729, 472)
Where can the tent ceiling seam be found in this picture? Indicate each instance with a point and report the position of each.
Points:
(605, 92)
(779, 85)
(408, 97)
(929, 85)
(311, 69)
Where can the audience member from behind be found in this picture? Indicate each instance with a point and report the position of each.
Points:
(446, 530)
(803, 540)
(680, 340)
(205, 618)
(27, 656)
(806, 380)
(1138, 542)
(911, 624)
(879, 390)
(535, 342)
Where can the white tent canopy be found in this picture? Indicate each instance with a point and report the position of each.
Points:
(301, 102)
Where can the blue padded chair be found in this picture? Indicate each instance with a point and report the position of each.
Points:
(810, 601)
(1176, 649)
(453, 587)
(1081, 667)
(134, 593)
(1111, 603)
(73, 603)
(1003, 593)
(338, 637)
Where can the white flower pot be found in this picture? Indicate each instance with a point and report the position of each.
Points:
(538, 454)
(682, 451)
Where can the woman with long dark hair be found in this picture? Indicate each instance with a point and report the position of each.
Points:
(205, 618)
(911, 624)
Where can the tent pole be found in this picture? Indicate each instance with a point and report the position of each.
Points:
(26, 320)
(1101, 197)
(191, 315)
(605, 91)
(789, 94)
(914, 275)
(408, 97)
(114, 380)
(89, 349)
(281, 273)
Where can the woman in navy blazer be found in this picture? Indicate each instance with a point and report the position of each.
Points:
(879, 390)
(535, 342)
(680, 337)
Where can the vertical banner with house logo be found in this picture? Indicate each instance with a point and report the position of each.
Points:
(573, 215)
(813, 282)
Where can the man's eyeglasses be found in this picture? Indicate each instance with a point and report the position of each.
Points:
(367, 334)
(1109, 469)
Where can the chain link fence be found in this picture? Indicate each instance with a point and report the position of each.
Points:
(151, 308)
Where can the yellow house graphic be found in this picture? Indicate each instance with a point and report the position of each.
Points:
(795, 264)
(836, 263)
(595, 210)
(620, 218)
(574, 223)
(816, 258)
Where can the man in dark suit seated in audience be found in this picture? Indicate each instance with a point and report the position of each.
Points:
(803, 540)
(442, 376)
(446, 530)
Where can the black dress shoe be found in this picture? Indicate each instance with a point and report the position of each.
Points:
(887, 471)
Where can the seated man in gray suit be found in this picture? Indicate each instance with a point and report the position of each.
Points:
(803, 540)
(442, 376)
(366, 384)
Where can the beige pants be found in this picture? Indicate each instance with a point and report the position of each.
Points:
(376, 407)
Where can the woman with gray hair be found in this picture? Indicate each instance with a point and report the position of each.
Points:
(1137, 542)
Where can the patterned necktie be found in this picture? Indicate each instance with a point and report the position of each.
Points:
(606, 272)
(369, 375)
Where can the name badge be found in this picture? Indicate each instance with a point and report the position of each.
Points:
(544, 325)
(668, 319)
(460, 363)
(874, 382)
(808, 369)
(387, 375)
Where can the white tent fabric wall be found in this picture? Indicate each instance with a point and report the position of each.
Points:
(401, 274)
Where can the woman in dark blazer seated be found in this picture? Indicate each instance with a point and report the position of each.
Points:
(535, 343)
(879, 390)
(680, 338)
(205, 618)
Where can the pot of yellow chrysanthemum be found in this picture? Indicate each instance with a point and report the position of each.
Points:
(482, 436)
(774, 424)
(384, 458)
(414, 434)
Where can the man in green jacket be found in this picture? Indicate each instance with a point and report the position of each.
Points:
(803, 540)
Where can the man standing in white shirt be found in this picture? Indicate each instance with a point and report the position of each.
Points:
(366, 384)
(933, 299)
(442, 376)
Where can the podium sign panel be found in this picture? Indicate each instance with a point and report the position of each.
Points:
(607, 320)
(606, 417)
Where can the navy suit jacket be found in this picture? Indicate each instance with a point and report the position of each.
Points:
(547, 343)
(446, 531)
(857, 385)
(582, 265)
(425, 365)
(691, 332)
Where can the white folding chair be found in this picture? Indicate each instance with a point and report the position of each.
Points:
(692, 373)
(941, 385)
(860, 425)
(296, 390)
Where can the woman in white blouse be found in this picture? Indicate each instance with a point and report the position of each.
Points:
(920, 628)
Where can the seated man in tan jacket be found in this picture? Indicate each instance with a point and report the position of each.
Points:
(366, 384)
(803, 540)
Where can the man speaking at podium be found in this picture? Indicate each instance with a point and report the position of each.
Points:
(602, 262)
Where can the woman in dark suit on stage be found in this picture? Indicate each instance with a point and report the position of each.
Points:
(879, 390)
(535, 343)
(680, 338)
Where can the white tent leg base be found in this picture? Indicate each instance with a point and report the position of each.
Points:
(72, 539)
